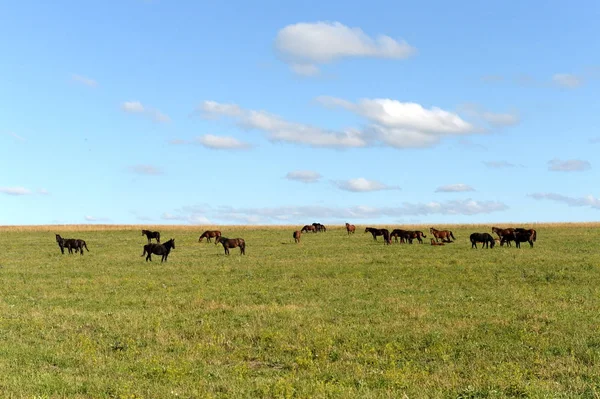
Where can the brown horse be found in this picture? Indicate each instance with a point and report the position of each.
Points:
(399, 233)
(379, 232)
(503, 233)
(444, 235)
(418, 235)
(297, 235)
(436, 243)
(308, 228)
(350, 228)
(231, 243)
(524, 235)
(209, 234)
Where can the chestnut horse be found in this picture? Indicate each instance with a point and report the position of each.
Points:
(209, 234)
(231, 243)
(308, 228)
(502, 233)
(436, 243)
(444, 235)
(350, 228)
(297, 235)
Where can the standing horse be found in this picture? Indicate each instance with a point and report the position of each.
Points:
(350, 228)
(151, 235)
(484, 238)
(444, 235)
(418, 235)
(297, 235)
(399, 233)
(523, 235)
(379, 232)
(209, 234)
(232, 243)
(159, 249)
(71, 244)
(503, 233)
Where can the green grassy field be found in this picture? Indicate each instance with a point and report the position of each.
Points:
(334, 316)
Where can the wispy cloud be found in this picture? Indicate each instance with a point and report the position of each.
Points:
(362, 185)
(570, 165)
(304, 45)
(136, 107)
(501, 164)
(96, 219)
(15, 191)
(305, 176)
(43, 191)
(495, 119)
(145, 170)
(567, 80)
(221, 142)
(84, 80)
(454, 188)
(589, 200)
(15, 136)
(191, 218)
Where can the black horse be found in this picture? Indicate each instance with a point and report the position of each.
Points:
(319, 227)
(522, 235)
(486, 239)
(159, 249)
(232, 243)
(151, 235)
(71, 244)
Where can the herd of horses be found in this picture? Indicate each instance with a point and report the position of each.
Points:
(506, 236)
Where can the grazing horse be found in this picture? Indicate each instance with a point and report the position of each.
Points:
(350, 228)
(444, 235)
(485, 238)
(436, 243)
(503, 233)
(209, 234)
(232, 243)
(71, 244)
(308, 228)
(297, 235)
(523, 235)
(151, 235)
(319, 227)
(159, 249)
(403, 234)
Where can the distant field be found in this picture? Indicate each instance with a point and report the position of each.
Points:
(334, 316)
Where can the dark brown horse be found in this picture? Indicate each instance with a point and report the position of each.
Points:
(523, 235)
(484, 238)
(159, 249)
(297, 235)
(231, 243)
(308, 228)
(151, 235)
(444, 235)
(418, 235)
(379, 232)
(503, 233)
(399, 233)
(350, 228)
(208, 234)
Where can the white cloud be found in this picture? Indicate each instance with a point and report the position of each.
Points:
(191, 218)
(96, 219)
(15, 191)
(299, 214)
(363, 185)
(570, 165)
(494, 119)
(136, 107)
(84, 80)
(16, 136)
(588, 200)
(454, 188)
(567, 80)
(500, 164)
(221, 142)
(279, 130)
(145, 170)
(304, 45)
(305, 176)
(43, 191)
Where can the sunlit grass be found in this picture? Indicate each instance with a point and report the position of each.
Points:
(333, 316)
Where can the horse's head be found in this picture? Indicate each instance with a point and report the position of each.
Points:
(431, 229)
(143, 231)
(218, 239)
(172, 243)
(58, 238)
(367, 229)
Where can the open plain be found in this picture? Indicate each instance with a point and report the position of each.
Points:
(333, 316)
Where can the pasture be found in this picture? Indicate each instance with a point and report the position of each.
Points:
(334, 316)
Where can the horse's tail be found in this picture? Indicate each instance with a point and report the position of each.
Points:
(452, 235)
(157, 236)
(534, 235)
(144, 253)
(85, 245)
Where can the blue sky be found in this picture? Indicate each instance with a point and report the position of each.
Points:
(188, 112)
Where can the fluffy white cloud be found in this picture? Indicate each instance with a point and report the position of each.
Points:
(570, 165)
(279, 130)
(305, 176)
(136, 107)
(304, 45)
(221, 142)
(84, 80)
(363, 185)
(588, 200)
(567, 80)
(145, 170)
(454, 188)
(15, 191)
